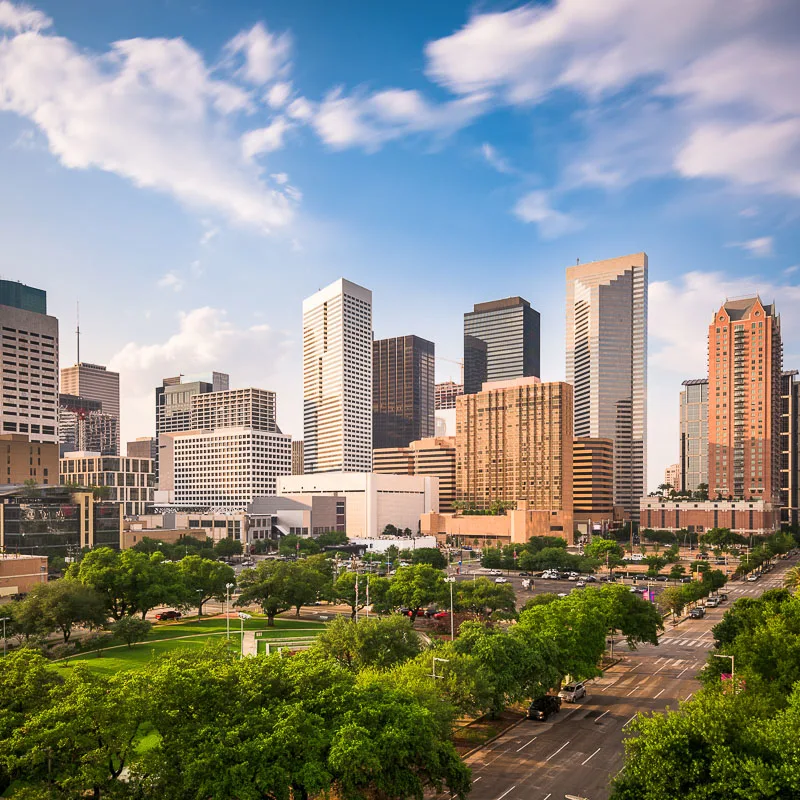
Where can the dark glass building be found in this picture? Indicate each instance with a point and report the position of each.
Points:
(25, 298)
(509, 329)
(403, 391)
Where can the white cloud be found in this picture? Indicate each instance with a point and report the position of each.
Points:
(370, 120)
(278, 94)
(171, 280)
(20, 17)
(205, 340)
(535, 207)
(762, 247)
(265, 140)
(300, 109)
(750, 211)
(197, 268)
(791, 270)
(495, 160)
(209, 232)
(149, 111)
(266, 56)
(280, 178)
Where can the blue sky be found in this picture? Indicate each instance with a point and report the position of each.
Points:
(191, 172)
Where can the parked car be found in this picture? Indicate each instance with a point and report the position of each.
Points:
(712, 602)
(501, 580)
(662, 578)
(580, 585)
(524, 574)
(751, 577)
(543, 707)
(496, 572)
(441, 615)
(573, 692)
(590, 579)
(722, 597)
(686, 579)
(697, 613)
(165, 615)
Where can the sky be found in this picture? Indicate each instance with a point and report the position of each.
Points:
(189, 172)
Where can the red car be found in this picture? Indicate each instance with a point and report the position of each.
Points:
(441, 615)
(165, 615)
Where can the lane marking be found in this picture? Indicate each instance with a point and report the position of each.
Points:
(550, 795)
(659, 694)
(631, 691)
(658, 659)
(601, 716)
(526, 744)
(688, 697)
(507, 791)
(682, 671)
(633, 668)
(610, 684)
(590, 757)
(666, 663)
(553, 754)
(630, 720)
(478, 778)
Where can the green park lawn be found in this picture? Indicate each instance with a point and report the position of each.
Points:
(165, 638)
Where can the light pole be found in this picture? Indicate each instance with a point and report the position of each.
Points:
(5, 619)
(228, 587)
(451, 580)
(733, 674)
(199, 603)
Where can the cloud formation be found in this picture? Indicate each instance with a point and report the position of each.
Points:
(535, 207)
(762, 247)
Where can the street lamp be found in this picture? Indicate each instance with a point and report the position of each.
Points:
(451, 580)
(228, 587)
(733, 674)
(4, 620)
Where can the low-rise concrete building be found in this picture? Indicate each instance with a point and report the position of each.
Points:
(20, 573)
(373, 501)
(302, 515)
(23, 460)
(745, 517)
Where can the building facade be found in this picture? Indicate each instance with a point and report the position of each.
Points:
(372, 501)
(298, 461)
(748, 518)
(223, 469)
(337, 379)
(301, 515)
(790, 448)
(94, 382)
(672, 476)
(607, 364)
(23, 460)
(435, 456)
(143, 447)
(234, 408)
(128, 481)
(593, 482)
(20, 573)
(83, 425)
(445, 394)
(509, 329)
(745, 358)
(693, 463)
(403, 382)
(30, 363)
(514, 442)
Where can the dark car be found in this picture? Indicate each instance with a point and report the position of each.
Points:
(662, 578)
(524, 574)
(543, 707)
(697, 613)
(722, 597)
(165, 615)
(590, 579)
(686, 579)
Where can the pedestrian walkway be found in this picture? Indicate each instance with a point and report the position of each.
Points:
(700, 643)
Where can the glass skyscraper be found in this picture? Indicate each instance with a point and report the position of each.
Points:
(607, 364)
(501, 342)
(694, 435)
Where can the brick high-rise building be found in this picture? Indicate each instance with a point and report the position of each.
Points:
(790, 448)
(501, 342)
(402, 391)
(607, 364)
(514, 442)
(744, 406)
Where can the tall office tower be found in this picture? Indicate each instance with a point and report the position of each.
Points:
(298, 465)
(435, 456)
(693, 461)
(174, 402)
(234, 408)
(83, 425)
(143, 447)
(402, 391)
(94, 382)
(514, 442)
(607, 364)
(745, 359)
(593, 481)
(510, 330)
(337, 379)
(672, 476)
(445, 395)
(30, 363)
(790, 448)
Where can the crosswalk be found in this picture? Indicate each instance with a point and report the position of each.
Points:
(695, 642)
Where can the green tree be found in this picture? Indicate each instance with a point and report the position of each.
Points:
(380, 643)
(636, 618)
(225, 548)
(483, 597)
(62, 605)
(203, 579)
(131, 630)
(306, 581)
(270, 586)
(417, 586)
(392, 554)
(605, 552)
(677, 572)
(429, 555)
(344, 590)
(672, 599)
(791, 579)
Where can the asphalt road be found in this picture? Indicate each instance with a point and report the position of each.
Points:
(577, 751)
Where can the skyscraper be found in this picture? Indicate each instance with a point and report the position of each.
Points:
(94, 382)
(790, 448)
(402, 391)
(446, 393)
(509, 329)
(745, 359)
(607, 364)
(337, 379)
(30, 363)
(694, 435)
(83, 425)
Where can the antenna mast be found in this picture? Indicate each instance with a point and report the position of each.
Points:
(78, 330)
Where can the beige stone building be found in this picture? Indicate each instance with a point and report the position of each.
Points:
(593, 485)
(514, 442)
(435, 456)
(23, 460)
(20, 573)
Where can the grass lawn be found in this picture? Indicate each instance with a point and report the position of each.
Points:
(165, 638)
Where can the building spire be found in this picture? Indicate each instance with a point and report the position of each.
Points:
(78, 330)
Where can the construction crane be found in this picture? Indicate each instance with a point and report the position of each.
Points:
(453, 361)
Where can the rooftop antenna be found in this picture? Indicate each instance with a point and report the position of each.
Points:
(577, 262)
(78, 330)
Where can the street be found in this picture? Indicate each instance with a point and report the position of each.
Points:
(577, 751)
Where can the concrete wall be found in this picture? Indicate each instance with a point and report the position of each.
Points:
(19, 574)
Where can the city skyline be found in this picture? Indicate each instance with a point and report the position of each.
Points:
(477, 208)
